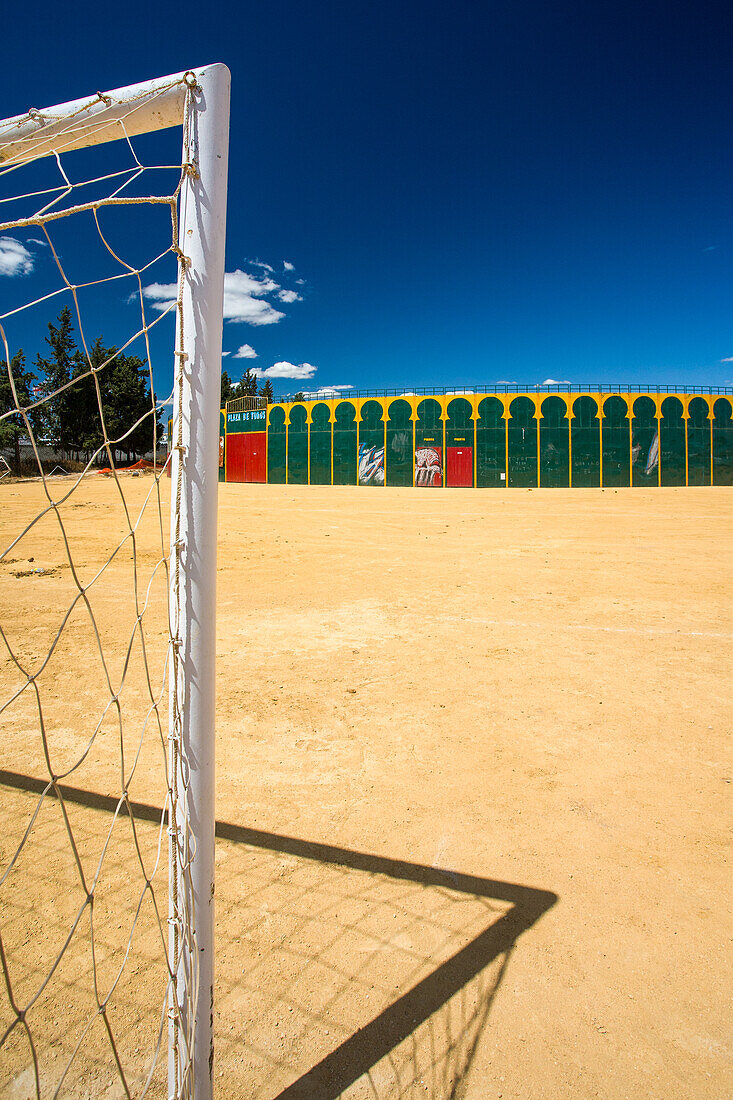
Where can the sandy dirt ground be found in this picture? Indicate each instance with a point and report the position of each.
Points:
(474, 792)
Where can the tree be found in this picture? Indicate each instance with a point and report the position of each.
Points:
(266, 391)
(248, 385)
(110, 397)
(299, 396)
(55, 372)
(13, 428)
(228, 390)
(127, 403)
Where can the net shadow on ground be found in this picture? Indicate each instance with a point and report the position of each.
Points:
(341, 973)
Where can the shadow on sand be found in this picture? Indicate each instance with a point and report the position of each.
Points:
(362, 973)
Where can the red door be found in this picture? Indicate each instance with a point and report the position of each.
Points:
(459, 467)
(256, 452)
(235, 456)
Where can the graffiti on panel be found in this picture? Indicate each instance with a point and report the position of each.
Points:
(645, 450)
(371, 465)
(428, 466)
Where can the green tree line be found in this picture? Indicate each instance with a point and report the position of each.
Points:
(70, 421)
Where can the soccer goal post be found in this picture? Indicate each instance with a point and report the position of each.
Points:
(46, 416)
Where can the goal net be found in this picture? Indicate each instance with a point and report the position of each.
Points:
(111, 290)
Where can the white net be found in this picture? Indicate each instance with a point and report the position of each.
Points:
(90, 955)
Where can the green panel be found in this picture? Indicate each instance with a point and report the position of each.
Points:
(490, 444)
(698, 442)
(320, 443)
(522, 433)
(398, 452)
(344, 445)
(298, 447)
(722, 442)
(644, 443)
(459, 428)
(252, 420)
(428, 437)
(371, 428)
(615, 443)
(429, 422)
(554, 444)
(585, 428)
(276, 439)
(371, 444)
(672, 442)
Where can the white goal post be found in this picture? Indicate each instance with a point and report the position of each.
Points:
(197, 100)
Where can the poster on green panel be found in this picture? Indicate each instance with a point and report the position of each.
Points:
(371, 464)
(429, 466)
(222, 444)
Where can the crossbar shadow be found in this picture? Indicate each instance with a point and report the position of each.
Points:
(367, 1046)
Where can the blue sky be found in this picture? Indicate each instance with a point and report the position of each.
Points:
(443, 194)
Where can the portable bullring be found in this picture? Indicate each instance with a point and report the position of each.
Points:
(560, 439)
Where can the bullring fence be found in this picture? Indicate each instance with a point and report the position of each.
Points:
(529, 440)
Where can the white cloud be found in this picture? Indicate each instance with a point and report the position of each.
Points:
(555, 382)
(225, 353)
(289, 296)
(504, 382)
(15, 259)
(244, 298)
(289, 370)
(161, 295)
(728, 360)
(246, 351)
(288, 266)
(260, 263)
(325, 391)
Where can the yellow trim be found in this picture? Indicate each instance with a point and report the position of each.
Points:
(474, 421)
(570, 445)
(686, 421)
(506, 399)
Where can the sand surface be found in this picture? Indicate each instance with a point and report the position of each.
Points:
(474, 792)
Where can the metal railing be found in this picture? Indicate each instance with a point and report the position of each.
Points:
(246, 404)
(507, 387)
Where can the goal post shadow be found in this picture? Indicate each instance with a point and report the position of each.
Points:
(441, 941)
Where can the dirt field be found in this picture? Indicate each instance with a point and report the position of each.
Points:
(473, 793)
